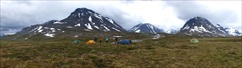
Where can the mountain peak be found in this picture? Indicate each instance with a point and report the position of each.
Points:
(143, 24)
(83, 10)
(198, 17)
(200, 26)
(82, 19)
(88, 19)
(146, 28)
(197, 22)
(79, 12)
(146, 23)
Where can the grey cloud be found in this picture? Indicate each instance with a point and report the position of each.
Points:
(186, 10)
(4, 29)
(120, 16)
(8, 24)
(14, 17)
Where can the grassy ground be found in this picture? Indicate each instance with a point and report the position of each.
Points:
(171, 51)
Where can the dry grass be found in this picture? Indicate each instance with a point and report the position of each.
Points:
(171, 51)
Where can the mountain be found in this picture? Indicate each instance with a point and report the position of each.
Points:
(222, 29)
(232, 31)
(171, 31)
(88, 19)
(199, 26)
(145, 28)
(81, 20)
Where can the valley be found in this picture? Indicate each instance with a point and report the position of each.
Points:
(167, 51)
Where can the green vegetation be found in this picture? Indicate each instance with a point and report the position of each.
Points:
(170, 51)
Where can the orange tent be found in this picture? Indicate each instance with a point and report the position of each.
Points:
(91, 42)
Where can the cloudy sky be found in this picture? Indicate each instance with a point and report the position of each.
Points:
(166, 15)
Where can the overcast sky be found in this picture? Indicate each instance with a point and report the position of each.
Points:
(166, 15)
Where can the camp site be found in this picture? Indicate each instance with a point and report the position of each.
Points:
(144, 51)
(120, 34)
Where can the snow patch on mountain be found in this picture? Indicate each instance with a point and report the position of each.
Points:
(110, 20)
(58, 22)
(87, 29)
(90, 19)
(78, 24)
(116, 29)
(88, 26)
(98, 16)
(79, 15)
(199, 29)
(40, 29)
(187, 27)
(137, 31)
(52, 29)
(96, 27)
(69, 27)
(106, 28)
(49, 35)
(233, 32)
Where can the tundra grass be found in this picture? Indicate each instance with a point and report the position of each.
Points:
(170, 51)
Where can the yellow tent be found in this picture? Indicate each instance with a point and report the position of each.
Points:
(91, 42)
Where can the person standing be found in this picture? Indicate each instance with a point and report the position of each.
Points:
(107, 40)
(95, 39)
(100, 40)
(116, 39)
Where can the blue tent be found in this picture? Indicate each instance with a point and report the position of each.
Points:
(124, 42)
